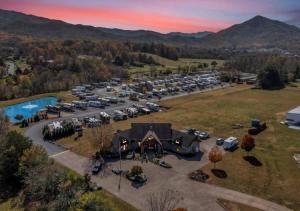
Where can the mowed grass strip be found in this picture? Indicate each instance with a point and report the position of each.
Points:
(278, 179)
(173, 64)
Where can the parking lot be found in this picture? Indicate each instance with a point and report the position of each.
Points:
(122, 101)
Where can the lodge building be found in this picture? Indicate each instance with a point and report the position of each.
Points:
(154, 137)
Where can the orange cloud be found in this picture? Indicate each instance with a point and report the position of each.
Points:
(116, 17)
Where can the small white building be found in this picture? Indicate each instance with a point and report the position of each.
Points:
(293, 116)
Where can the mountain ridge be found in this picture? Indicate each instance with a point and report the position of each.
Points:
(258, 32)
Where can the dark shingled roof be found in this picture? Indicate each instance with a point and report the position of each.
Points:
(186, 138)
(162, 130)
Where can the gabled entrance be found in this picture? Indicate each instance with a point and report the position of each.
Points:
(151, 143)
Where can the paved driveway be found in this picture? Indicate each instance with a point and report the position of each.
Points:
(197, 196)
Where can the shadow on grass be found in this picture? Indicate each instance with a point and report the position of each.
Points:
(219, 173)
(253, 161)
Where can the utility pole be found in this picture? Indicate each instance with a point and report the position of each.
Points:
(119, 186)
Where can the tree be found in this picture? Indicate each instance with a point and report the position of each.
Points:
(12, 147)
(248, 143)
(164, 201)
(102, 138)
(297, 72)
(269, 78)
(214, 64)
(215, 155)
(32, 157)
(3, 125)
(19, 117)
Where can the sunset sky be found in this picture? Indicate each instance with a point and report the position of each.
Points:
(159, 15)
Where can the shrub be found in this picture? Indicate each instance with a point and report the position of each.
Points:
(136, 170)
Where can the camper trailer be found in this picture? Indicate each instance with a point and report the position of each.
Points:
(119, 115)
(105, 118)
(96, 104)
(80, 105)
(132, 112)
(91, 98)
(67, 107)
(153, 107)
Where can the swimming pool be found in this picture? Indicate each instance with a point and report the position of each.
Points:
(28, 109)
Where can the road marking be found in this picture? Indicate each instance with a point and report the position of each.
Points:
(59, 153)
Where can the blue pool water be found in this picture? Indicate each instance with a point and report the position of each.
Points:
(28, 109)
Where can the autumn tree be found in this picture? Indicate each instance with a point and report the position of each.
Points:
(248, 143)
(215, 155)
(102, 137)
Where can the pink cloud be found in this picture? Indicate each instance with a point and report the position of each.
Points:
(109, 16)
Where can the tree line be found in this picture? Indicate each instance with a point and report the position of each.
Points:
(274, 71)
(58, 65)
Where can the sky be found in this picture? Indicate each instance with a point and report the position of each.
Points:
(159, 15)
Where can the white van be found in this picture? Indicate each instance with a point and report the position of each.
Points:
(230, 143)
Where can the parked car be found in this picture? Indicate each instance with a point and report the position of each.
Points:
(164, 164)
(117, 171)
(203, 135)
(97, 167)
(190, 131)
(230, 143)
(220, 141)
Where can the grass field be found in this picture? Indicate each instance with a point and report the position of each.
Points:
(64, 96)
(172, 65)
(278, 177)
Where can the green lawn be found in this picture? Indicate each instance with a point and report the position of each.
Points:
(172, 64)
(278, 177)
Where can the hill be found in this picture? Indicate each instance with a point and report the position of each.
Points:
(258, 32)
(28, 25)
(191, 35)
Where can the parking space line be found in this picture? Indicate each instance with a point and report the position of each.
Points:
(52, 156)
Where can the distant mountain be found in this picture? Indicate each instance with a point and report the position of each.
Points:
(38, 27)
(258, 32)
(192, 35)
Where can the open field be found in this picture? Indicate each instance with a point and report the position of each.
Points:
(64, 96)
(278, 177)
(172, 64)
